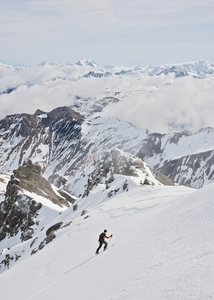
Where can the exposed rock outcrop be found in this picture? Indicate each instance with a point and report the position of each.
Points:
(18, 211)
(121, 163)
(30, 179)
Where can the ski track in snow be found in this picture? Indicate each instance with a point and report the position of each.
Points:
(61, 278)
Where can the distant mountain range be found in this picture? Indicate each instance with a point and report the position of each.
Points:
(198, 68)
(88, 88)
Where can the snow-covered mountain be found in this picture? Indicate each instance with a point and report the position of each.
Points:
(87, 63)
(197, 69)
(92, 171)
(61, 140)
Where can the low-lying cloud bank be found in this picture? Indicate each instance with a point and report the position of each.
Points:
(188, 104)
(157, 103)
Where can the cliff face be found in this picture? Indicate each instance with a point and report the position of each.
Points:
(18, 213)
(19, 210)
(37, 137)
(30, 179)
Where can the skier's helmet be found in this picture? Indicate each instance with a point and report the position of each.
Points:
(105, 230)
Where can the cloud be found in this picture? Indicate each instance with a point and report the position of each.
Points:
(115, 32)
(163, 13)
(188, 104)
(53, 14)
(157, 103)
(44, 88)
(49, 17)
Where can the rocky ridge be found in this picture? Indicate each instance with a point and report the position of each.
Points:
(25, 209)
(93, 171)
(36, 136)
(19, 210)
(60, 140)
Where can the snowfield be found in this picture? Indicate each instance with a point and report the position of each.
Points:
(164, 238)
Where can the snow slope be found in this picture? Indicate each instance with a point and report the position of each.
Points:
(163, 237)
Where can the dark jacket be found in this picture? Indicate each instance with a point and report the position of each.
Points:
(103, 236)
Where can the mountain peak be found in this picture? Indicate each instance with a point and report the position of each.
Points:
(39, 112)
(61, 112)
(48, 63)
(87, 63)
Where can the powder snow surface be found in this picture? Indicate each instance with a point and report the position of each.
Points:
(164, 238)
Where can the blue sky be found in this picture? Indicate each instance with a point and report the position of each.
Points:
(111, 32)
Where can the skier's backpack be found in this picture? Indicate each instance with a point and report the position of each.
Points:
(101, 237)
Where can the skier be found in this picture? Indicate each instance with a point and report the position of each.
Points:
(102, 241)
